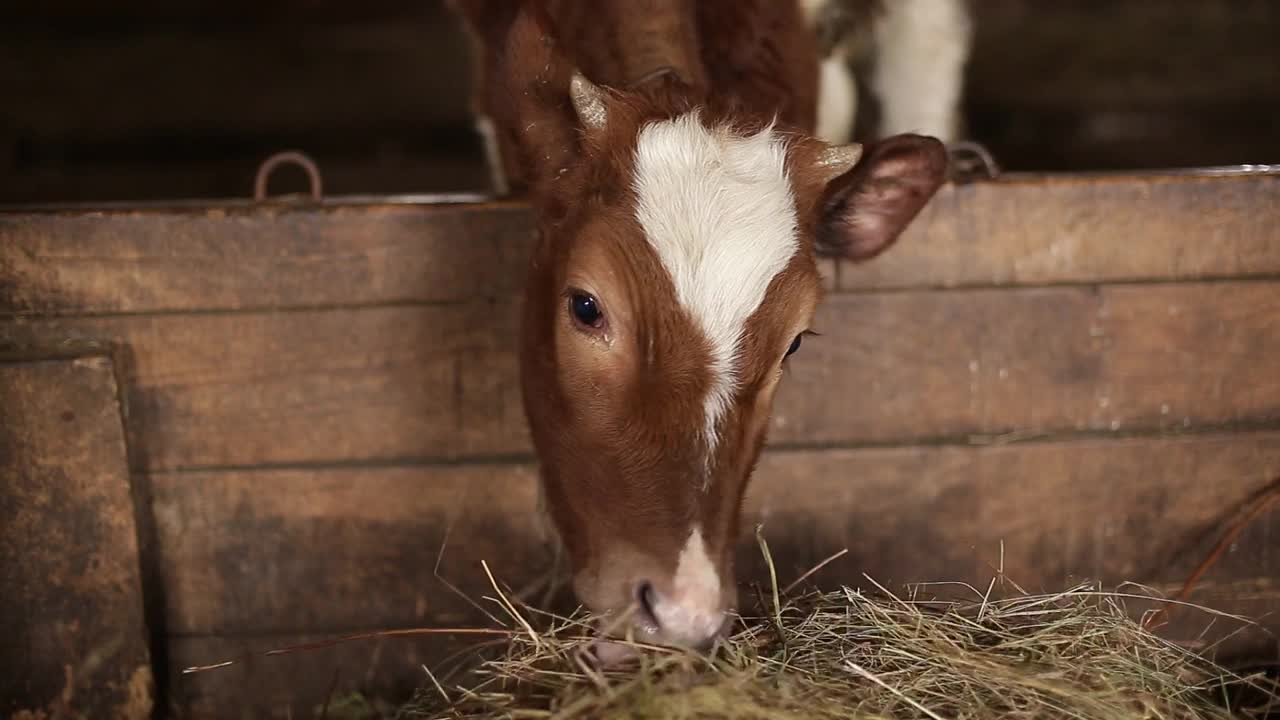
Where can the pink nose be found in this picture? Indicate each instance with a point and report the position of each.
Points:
(690, 619)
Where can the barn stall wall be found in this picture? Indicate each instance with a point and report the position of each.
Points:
(1066, 377)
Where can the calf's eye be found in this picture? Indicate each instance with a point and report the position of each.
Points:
(585, 310)
(795, 345)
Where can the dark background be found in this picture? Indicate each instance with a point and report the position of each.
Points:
(142, 100)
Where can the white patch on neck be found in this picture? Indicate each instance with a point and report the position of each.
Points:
(719, 211)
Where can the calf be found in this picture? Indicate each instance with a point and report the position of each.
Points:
(681, 204)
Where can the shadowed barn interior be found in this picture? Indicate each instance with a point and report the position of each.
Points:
(229, 425)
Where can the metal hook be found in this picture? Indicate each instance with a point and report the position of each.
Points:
(986, 162)
(289, 156)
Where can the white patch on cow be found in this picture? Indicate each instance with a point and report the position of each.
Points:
(692, 613)
(718, 209)
(921, 50)
(837, 101)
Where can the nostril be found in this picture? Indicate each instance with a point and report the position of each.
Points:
(647, 597)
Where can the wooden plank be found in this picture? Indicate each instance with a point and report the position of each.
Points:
(1076, 229)
(1016, 232)
(333, 386)
(396, 383)
(919, 365)
(362, 543)
(385, 672)
(306, 550)
(272, 257)
(272, 552)
(72, 635)
(352, 676)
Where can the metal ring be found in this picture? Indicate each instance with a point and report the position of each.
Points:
(289, 156)
(989, 164)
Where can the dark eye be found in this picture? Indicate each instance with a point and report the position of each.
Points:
(585, 309)
(795, 345)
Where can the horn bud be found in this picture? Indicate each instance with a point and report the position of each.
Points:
(588, 102)
(837, 160)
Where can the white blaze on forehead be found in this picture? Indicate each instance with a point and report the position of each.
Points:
(693, 611)
(719, 211)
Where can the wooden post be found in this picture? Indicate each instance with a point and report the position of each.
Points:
(73, 640)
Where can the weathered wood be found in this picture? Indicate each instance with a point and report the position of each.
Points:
(340, 385)
(1077, 229)
(273, 257)
(72, 635)
(270, 552)
(308, 550)
(351, 676)
(380, 672)
(1016, 232)
(1144, 510)
(394, 383)
(918, 365)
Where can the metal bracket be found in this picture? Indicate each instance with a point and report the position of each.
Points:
(292, 157)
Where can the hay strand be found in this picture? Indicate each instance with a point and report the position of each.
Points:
(848, 654)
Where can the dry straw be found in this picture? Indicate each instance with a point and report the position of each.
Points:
(851, 654)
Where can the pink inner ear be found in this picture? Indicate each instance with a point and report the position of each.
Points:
(869, 207)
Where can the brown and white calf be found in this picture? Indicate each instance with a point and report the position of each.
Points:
(682, 202)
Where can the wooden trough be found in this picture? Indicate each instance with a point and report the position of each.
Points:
(242, 426)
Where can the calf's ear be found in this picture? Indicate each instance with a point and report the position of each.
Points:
(550, 103)
(864, 210)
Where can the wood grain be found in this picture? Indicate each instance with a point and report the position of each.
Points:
(1075, 229)
(361, 544)
(385, 672)
(352, 677)
(440, 382)
(919, 365)
(1030, 231)
(302, 550)
(133, 261)
(74, 639)
(342, 385)
(289, 551)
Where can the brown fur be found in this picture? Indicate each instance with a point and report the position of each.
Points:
(616, 411)
(757, 55)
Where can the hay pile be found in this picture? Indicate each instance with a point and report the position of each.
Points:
(846, 654)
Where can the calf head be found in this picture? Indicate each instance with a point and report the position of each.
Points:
(674, 274)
